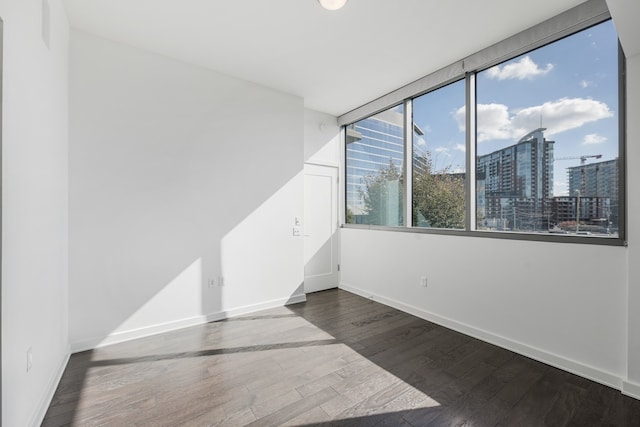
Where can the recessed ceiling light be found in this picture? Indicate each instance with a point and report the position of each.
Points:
(332, 4)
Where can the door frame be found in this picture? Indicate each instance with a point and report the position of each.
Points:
(1, 208)
(336, 195)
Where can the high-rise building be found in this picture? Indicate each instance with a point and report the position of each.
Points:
(595, 179)
(597, 186)
(373, 144)
(514, 185)
(593, 213)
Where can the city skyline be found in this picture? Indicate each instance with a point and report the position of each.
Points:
(538, 117)
(558, 87)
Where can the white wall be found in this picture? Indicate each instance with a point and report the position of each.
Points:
(562, 303)
(34, 208)
(321, 138)
(178, 175)
(573, 306)
(625, 14)
(633, 178)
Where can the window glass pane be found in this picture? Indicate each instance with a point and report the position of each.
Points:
(439, 162)
(547, 139)
(374, 163)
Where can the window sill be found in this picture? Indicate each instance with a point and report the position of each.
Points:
(535, 237)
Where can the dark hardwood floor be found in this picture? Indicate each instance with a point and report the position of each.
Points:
(337, 359)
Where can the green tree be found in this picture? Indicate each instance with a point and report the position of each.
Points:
(350, 217)
(438, 196)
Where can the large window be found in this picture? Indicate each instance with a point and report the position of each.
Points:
(439, 165)
(374, 164)
(527, 148)
(547, 138)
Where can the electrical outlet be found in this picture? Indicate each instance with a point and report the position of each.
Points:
(220, 281)
(423, 281)
(29, 359)
(211, 283)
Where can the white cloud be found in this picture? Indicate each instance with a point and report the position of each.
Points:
(562, 115)
(594, 138)
(523, 69)
(460, 147)
(585, 84)
(495, 121)
(441, 150)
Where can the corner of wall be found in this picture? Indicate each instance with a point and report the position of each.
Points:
(631, 389)
(572, 366)
(35, 213)
(49, 391)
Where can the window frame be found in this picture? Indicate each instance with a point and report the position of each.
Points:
(579, 18)
(409, 149)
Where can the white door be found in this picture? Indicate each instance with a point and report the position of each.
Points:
(320, 228)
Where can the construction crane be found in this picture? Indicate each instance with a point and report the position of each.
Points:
(583, 159)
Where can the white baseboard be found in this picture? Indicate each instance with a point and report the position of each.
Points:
(118, 337)
(115, 338)
(631, 389)
(247, 309)
(554, 360)
(50, 390)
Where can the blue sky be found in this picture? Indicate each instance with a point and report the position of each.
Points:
(570, 87)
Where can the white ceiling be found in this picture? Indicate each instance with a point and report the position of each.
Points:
(336, 61)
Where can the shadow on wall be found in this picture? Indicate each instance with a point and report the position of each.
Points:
(321, 138)
(322, 160)
(170, 266)
(262, 257)
(184, 188)
(256, 259)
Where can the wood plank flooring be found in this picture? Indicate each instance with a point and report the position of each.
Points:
(337, 359)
